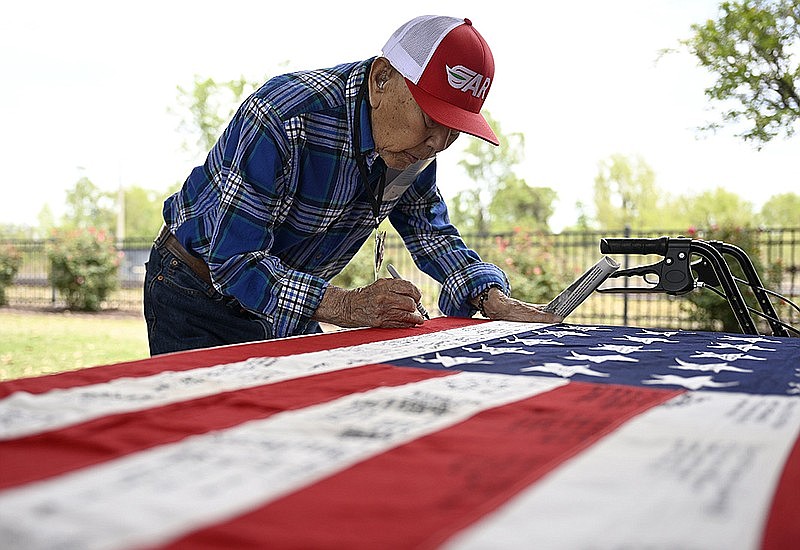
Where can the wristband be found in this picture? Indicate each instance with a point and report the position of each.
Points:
(482, 297)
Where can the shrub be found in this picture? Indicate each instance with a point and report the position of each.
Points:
(83, 267)
(10, 261)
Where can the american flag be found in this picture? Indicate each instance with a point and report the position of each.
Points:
(458, 434)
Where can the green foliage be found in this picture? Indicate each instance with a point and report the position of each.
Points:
(14, 231)
(749, 49)
(715, 208)
(89, 206)
(499, 201)
(712, 312)
(83, 267)
(534, 271)
(10, 262)
(488, 164)
(781, 211)
(625, 194)
(467, 212)
(208, 106)
(518, 206)
(143, 216)
(360, 271)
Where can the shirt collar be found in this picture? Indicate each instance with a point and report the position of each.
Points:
(364, 122)
(367, 142)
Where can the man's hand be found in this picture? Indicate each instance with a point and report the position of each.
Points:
(387, 303)
(502, 307)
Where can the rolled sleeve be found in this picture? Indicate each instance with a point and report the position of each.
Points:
(298, 297)
(466, 283)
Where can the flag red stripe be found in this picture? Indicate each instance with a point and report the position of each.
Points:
(419, 494)
(215, 356)
(783, 525)
(56, 452)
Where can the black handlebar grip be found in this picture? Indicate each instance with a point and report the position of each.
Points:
(635, 246)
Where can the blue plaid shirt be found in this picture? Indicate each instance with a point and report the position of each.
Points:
(279, 206)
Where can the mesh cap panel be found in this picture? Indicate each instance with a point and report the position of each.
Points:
(411, 46)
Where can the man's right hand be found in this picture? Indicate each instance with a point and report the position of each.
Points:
(386, 303)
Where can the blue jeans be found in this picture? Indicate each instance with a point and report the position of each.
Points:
(184, 312)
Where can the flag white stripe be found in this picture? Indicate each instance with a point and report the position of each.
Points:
(23, 414)
(698, 471)
(159, 494)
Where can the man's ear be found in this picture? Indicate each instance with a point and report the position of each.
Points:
(379, 74)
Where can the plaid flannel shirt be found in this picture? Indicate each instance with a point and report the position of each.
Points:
(279, 206)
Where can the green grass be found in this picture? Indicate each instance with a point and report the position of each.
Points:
(34, 343)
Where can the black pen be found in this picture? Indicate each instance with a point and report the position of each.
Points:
(393, 272)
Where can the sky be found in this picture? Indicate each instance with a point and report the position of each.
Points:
(89, 89)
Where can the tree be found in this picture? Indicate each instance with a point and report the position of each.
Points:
(781, 211)
(467, 212)
(518, 206)
(208, 106)
(749, 48)
(500, 200)
(715, 208)
(143, 216)
(625, 194)
(89, 206)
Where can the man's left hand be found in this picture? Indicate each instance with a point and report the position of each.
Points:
(501, 307)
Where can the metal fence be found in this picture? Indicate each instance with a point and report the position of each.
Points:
(576, 251)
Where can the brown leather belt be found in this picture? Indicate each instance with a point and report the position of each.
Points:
(168, 241)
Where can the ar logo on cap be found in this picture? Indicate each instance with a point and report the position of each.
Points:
(467, 80)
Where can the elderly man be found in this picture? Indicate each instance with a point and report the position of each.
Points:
(307, 169)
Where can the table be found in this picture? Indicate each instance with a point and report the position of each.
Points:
(457, 434)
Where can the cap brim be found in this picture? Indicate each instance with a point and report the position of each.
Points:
(453, 117)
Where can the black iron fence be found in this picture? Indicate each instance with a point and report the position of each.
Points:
(779, 249)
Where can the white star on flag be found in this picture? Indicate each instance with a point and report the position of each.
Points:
(447, 361)
(708, 367)
(498, 351)
(600, 358)
(666, 333)
(562, 333)
(645, 341)
(564, 371)
(533, 342)
(741, 347)
(692, 383)
(586, 328)
(621, 349)
(724, 356)
(750, 339)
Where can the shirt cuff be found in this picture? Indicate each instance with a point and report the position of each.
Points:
(298, 297)
(467, 283)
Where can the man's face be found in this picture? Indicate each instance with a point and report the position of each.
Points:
(402, 132)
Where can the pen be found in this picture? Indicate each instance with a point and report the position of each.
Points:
(393, 272)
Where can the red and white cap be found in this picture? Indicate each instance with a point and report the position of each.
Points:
(448, 67)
